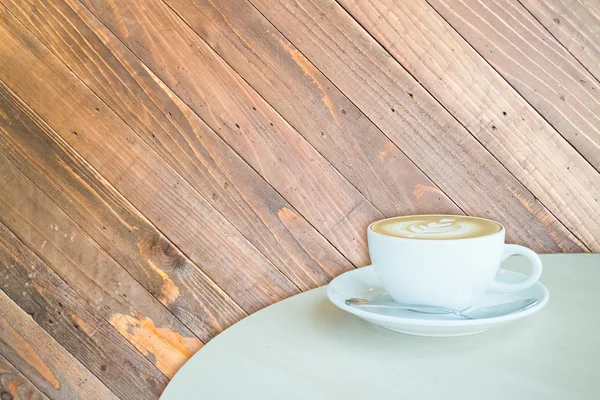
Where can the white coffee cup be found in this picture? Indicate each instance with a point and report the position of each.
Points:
(450, 272)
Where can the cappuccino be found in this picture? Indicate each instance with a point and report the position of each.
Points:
(423, 259)
(436, 227)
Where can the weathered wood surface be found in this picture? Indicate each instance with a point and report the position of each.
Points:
(412, 119)
(168, 167)
(314, 106)
(15, 386)
(538, 67)
(575, 24)
(93, 274)
(136, 171)
(244, 120)
(489, 108)
(116, 226)
(42, 360)
(180, 137)
(62, 313)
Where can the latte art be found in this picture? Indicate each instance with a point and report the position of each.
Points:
(436, 227)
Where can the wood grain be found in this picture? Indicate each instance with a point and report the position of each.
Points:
(152, 186)
(244, 120)
(575, 24)
(94, 275)
(412, 119)
(112, 222)
(535, 64)
(314, 106)
(15, 386)
(180, 137)
(168, 167)
(489, 108)
(42, 360)
(74, 324)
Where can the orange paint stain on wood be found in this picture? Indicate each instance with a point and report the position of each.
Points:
(24, 350)
(13, 388)
(386, 151)
(169, 292)
(309, 70)
(420, 190)
(81, 324)
(169, 349)
(285, 214)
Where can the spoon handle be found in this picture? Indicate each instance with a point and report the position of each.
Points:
(399, 306)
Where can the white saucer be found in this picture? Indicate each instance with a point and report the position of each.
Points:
(363, 282)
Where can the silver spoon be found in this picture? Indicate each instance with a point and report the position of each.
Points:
(481, 312)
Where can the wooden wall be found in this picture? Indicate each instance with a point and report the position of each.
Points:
(169, 167)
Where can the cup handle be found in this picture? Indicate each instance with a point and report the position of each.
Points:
(536, 269)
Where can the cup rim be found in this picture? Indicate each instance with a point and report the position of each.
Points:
(500, 232)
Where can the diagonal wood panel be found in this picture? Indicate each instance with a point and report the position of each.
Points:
(170, 166)
(69, 320)
(180, 137)
(528, 57)
(244, 120)
(419, 125)
(13, 383)
(93, 274)
(113, 223)
(109, 145)
(575, 24)
(42, 360)
(314, 106)
(489, 108)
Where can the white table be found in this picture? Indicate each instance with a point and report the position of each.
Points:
(306, 348)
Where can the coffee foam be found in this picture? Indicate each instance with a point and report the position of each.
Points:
(436, 227)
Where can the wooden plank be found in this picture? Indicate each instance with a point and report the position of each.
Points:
(489, 108)
(535, 64)
(412, 119)
(180, 137)
(112, 222)
(116, 152)
(575, 24)
(42, 360)
(234, 110)
(314, 106)
(93, 274)
(13, 385)
(74, 324)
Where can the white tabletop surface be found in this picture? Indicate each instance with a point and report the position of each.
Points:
(306, 348)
